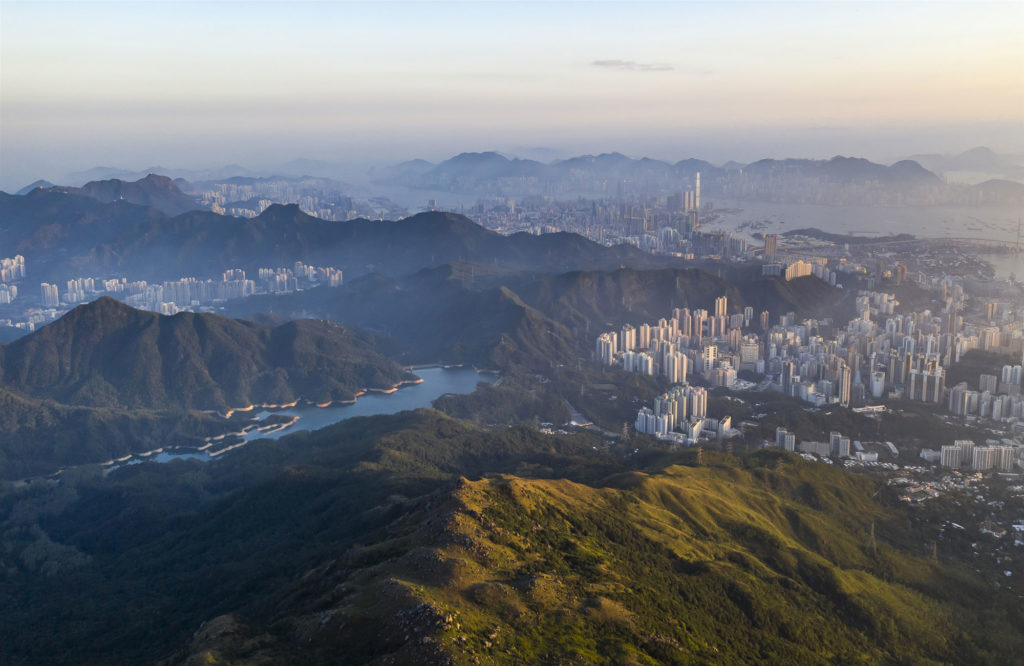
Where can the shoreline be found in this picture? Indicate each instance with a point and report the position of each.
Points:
(277, 427)
(271, 407)
(452, 366)
(321, 405)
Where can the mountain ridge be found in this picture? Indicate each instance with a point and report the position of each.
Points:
(107, 354)
(158, 192)
(415, 538)
(67, 234)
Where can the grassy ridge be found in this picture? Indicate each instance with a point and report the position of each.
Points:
(417, 538)
(766, 558)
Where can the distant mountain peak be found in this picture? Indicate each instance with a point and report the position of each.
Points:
(979, 151)
(104, 302)
(39, 184)
(486, 156)
(153, 190)
(283, 207)
(158, 180)
(105, 308)
(285, 213)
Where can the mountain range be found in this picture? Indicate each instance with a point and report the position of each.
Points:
(502, 319)
(65, 233)
(477, 171)
(839, 180)
(480, 167)
(79, 178)
(158, 192)
(980, 163)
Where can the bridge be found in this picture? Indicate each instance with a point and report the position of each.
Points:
(984, 243)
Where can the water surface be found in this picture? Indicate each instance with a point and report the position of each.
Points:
(436, 382)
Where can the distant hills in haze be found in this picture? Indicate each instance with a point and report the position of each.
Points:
(974, 166)
(44, 184)
(79, 178)
(918, 179)
(491, 165)
(151, 229)
(475, 171)
(158, 192)
(846, 169)
(64, 232)
(839, 180)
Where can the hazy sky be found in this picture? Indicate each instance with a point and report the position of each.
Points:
(204, 84)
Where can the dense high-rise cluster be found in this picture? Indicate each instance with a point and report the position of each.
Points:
(12, 269)
(880, 355)
(172, 296)
(680, 414)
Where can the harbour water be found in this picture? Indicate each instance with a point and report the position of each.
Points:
(985, 222)
(1007, 265)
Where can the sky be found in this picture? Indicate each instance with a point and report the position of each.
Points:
(198, 85)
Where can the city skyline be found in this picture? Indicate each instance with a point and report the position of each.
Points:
(189, 85)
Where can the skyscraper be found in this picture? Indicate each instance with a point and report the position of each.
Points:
(709, 355)
(628, 340)
(788, 370)
(50, 295)
(845, 381)
(721, 306)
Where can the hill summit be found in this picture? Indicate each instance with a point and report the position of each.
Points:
(107, 354)
(155, 191)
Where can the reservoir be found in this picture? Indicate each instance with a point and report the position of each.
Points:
(436, 382)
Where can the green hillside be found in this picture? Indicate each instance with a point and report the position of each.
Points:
(416, 538)
(107, 354)
(39, 436)
(721, 564)
(477, 314)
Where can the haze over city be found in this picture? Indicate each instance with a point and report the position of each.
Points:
(187, 85)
